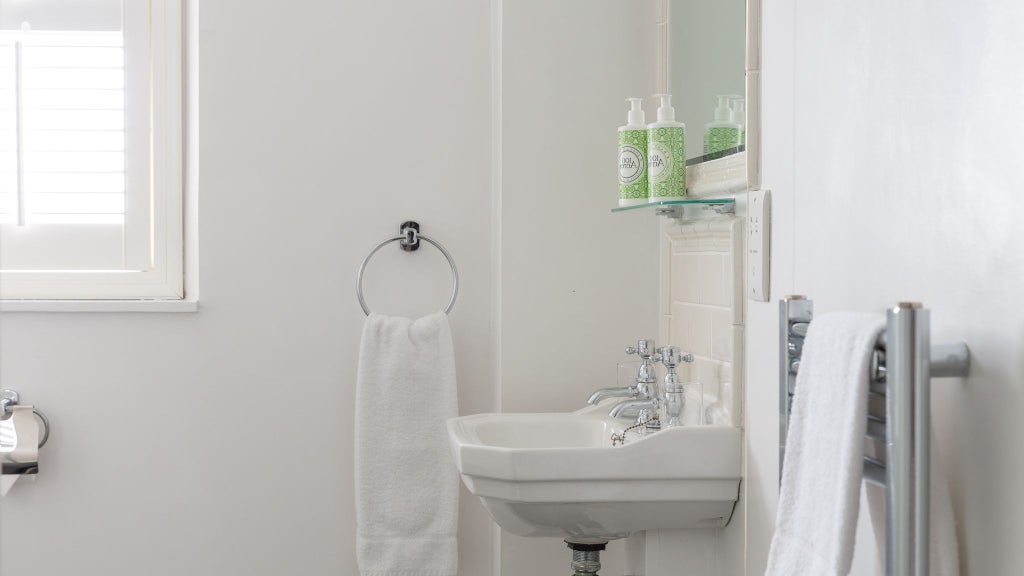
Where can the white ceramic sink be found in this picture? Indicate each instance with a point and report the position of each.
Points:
(559, 475)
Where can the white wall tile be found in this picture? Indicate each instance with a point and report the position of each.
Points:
(711, 276)
(693, 326)
(734, 271)
(707, 372)
(721, 335)
(678, 329)
(735, 376)
(685, 278)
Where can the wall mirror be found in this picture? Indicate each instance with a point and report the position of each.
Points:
(709, 63)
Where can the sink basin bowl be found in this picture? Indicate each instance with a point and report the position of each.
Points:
(559, 474)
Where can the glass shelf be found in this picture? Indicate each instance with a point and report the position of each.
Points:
(674, 208)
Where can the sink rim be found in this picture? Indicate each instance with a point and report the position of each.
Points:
(717, 450)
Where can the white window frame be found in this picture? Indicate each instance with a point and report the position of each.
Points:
(163, 278)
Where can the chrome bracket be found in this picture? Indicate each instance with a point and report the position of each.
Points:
(677, 210)
(795, 313)
(8, 398)
(669, 211)
(411, 231)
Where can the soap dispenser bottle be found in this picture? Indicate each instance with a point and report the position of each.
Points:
(666, 154)
(723, 133)
(739, 116)
(633, 156)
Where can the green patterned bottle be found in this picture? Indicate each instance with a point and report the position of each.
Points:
(633, 157)
(723, 133)
(666, 154)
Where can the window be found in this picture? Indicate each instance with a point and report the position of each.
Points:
(90, 149)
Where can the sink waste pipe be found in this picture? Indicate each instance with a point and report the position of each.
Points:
(586, 558)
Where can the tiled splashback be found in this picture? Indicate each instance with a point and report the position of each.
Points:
(702, 305)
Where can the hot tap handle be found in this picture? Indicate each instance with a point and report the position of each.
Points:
(644, 349)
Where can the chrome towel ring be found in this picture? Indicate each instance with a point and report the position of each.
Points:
(408, 240)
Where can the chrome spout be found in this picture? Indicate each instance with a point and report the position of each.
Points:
(620, 408)
(603, 393)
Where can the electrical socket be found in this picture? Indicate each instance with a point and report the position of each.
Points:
(759, 220)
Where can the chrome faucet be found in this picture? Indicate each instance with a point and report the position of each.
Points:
(646, 397)
(648, 404)
(645, 376)
(618, 392)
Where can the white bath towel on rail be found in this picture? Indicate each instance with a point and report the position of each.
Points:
(407, 488)
(820, 495)
(824, 466)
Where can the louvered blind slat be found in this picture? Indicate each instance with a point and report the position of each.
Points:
(72, 122)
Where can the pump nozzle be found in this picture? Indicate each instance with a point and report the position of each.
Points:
(636, 112)
(738, 108)
(666, 113)
(722, 112)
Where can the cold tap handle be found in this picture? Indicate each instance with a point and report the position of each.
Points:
(671, 356)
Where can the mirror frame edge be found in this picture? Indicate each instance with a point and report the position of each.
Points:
(752, 80)
(753, 95)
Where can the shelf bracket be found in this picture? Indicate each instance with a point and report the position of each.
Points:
(676, 210)
(669, 211)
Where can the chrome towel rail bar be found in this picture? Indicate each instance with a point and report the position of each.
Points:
(902, 366)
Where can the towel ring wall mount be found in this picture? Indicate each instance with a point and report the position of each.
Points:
(409, 240)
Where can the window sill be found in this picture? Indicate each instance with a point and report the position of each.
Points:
(99, 306)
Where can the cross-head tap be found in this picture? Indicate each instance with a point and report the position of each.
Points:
(646, 380)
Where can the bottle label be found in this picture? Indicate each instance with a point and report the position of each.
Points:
(721, 138)
(659, 162)
(632, 164)
(667, 162)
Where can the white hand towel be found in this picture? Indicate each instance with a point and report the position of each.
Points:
(824, 466)
(820, 495)
(407, 487)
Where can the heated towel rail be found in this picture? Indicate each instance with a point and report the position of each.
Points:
(902, 365)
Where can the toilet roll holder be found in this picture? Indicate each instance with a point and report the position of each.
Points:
(9, 398)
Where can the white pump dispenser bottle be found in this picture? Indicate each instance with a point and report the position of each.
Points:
(633, 156)
(666, 151)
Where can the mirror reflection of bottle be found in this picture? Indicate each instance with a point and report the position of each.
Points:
(633, 156)
(738, 109)
(666, 154)
(723, 133)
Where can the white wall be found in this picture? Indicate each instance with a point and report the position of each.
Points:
(578, 284)
(220, 442)
(890, 148)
